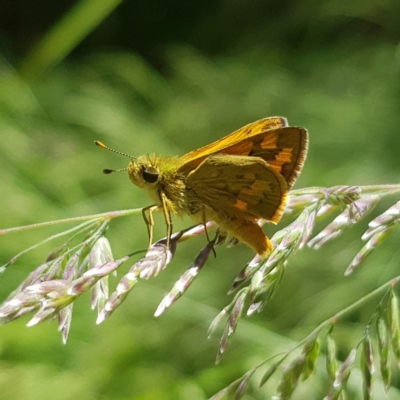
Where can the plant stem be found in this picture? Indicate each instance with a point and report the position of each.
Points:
(109, 215)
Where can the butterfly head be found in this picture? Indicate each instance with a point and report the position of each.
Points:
(143, 173)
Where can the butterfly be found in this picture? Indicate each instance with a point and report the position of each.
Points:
(239, 181)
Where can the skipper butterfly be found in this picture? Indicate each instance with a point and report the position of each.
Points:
(239, 181)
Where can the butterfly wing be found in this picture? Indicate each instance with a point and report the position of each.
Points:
(236, 138)
(238, 186)
(283, 147)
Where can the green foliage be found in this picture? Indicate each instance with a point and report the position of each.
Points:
(332, 68)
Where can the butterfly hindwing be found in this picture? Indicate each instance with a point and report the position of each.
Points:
(239, 185)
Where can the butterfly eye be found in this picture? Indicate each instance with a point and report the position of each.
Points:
(150, 175)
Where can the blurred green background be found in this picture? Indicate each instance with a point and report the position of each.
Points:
(168, 77)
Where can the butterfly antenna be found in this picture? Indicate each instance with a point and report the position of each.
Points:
(109, 171)
(103, 146)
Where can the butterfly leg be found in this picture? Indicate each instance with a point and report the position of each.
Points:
(167, 217)
(149, 221)
(204, 221)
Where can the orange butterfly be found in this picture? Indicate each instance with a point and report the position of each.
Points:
(238, 181)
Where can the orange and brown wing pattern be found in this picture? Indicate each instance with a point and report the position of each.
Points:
(237, 143)
(284, 149)
(239, 185)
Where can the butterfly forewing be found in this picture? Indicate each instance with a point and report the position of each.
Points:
(238, 142)
(283, 147)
